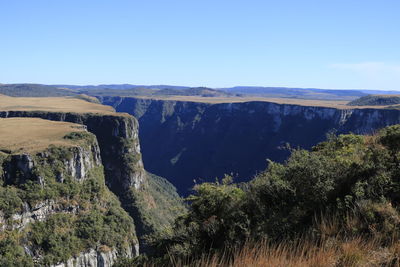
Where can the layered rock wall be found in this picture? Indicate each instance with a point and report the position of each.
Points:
(186, 141)
(62, 184)
(118, 138)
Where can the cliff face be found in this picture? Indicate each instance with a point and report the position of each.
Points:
(22, 167)
(59, 164)
(183, 141)
(55, 209)
(118, 140)
(93, 258)
(120, 155)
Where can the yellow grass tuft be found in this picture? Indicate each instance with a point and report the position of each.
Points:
(356, 252)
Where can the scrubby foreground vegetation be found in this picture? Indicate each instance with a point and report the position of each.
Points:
(336, 205)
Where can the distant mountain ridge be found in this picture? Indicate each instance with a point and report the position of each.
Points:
(279, 92)
(34, 90)
(306, 93)
(40, 90)
(120, 86)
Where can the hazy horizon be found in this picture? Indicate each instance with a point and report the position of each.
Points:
(183, 85)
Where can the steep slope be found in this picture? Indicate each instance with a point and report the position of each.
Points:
(183, 141)
(54, 205)
(117, 135)
(118, 139)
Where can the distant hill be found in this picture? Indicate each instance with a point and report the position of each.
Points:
(302, 93)
(119, 86)
(33, 90)
(274, 92)
(376, 100)
(279, 92)
(147, 91)
(40, 90)
(197, 91)
(380, 92)
(166, 90)
(118, 92)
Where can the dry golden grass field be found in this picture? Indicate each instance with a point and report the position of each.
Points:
(54, 104)
(291, 101)
(72, 104)
(33, 134)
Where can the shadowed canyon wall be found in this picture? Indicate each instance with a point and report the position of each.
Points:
(186, 141)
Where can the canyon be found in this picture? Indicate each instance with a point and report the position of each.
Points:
(109, 155)
(126, 153)
(189, 142)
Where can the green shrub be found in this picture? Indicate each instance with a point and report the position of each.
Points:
(215, 219)
(55, 238)
(10, 201)
(390, 137)
(13, 255)
(353, 177)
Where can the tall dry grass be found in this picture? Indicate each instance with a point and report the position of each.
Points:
(332, 246)
(333, 252)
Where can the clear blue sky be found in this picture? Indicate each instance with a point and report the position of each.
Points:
(219, 43)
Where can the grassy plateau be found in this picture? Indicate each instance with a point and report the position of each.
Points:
(32, 134)
(52, 104)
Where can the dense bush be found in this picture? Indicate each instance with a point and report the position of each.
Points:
(216, 219)
(55, 238)
(10, 202)
(354, 178)
(13, 255)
